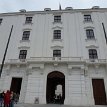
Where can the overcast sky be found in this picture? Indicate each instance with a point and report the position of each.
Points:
(39, 5)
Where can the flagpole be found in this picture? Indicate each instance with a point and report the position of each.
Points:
(60, 7)
(5, 51)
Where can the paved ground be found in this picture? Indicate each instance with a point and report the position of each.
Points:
(50, 105)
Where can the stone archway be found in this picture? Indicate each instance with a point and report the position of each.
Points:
(55, 79)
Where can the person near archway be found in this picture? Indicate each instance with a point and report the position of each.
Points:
(7, 99)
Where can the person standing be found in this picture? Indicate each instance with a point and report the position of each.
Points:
(12, 96)
(1, 98)
(7, 99)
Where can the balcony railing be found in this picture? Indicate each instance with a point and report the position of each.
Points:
(57, 59)
(52, 59)
(96, 60)
(46, 59)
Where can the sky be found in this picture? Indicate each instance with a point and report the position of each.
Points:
(39, 5)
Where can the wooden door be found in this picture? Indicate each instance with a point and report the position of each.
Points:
(99, 91)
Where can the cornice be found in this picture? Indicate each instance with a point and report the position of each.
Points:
(31, 13)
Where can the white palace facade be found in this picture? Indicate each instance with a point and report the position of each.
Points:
(54, 52)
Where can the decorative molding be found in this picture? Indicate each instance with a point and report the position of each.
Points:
(74, 67)
(55, 64)
(27, 29)
(28, 72)
(29, 14)
(7, 72)
(57, 22)
(29, 24)
(24, 47)
(57, 13)
(86, 12)
(92, 46)
(42, 69)
(89, 27)
(18, 66)
(56, 47)
(21, 41)
(96, 68)
(58, 40)
(33, 67)
(86, 71)
(92, 39)
(57, 28)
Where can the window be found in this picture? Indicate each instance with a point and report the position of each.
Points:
(57, 18)
(87, 18)
(28, 20)
(57, 34)
(93, 54)
(90, 34)
(22, 54)
(26, 35)
(1, 21)
(56, 53)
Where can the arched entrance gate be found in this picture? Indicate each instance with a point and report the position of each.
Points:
(55, 92)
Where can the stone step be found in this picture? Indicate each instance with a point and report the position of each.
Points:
(53, 105)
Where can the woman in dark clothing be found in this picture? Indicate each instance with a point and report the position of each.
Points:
(1, 98)
(12, 99)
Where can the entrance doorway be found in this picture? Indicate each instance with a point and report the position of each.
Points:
(99, 92)
(55, 92)
(16, 85)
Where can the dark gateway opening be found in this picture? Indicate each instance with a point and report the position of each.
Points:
(16, 85)
(54, 79)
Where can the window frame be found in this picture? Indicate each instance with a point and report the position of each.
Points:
(93, 54)
(26, 35)
(90, 34)
(57, 53)
(28, 20)
(57, 18)
(57, 34)
(87, 18)
(22, 54)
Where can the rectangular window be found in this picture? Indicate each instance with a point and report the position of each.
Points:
(56, 53)
(87, 18)
(22, 54)
(26, 35)
(57, 18)
(28, 20)
(1, 21)
(93, 54)
(57, 34)
(90, 34)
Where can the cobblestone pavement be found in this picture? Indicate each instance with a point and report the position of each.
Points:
(50, 105)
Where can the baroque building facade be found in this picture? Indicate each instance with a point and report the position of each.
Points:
(56, 48)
